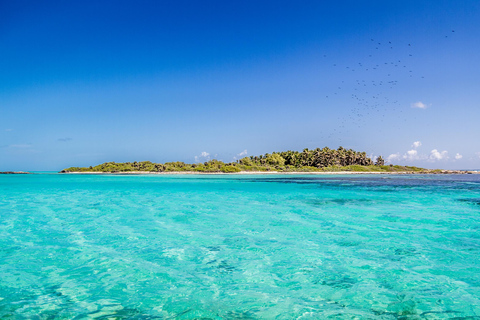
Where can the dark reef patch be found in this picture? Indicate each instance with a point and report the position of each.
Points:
(341, 201)
(405, 251)
(473, 201)
(338, 281)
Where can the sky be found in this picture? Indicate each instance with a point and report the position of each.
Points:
(86, 82)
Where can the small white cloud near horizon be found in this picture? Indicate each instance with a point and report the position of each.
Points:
(204, 156)
(243, 153)
(392, 157)
(437, 155)
(419, 105)
(240, 155)
(411, 155)
(416, 144)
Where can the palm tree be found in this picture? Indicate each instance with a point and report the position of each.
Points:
(380, 161)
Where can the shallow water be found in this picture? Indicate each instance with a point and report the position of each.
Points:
(239, 247)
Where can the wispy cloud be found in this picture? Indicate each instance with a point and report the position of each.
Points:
(64, 139)
(8, 130)
(20, 146)
(204, 156)
(458, 156)
(419, 105)
(240, 155)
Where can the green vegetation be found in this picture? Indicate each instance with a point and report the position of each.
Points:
(317, 160)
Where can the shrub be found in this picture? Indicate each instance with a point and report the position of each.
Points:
(230, 169)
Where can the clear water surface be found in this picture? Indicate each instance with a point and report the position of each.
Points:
(239, 247)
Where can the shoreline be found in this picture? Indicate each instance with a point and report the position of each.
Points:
(267, 173)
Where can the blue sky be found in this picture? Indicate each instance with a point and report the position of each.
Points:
(87, 82)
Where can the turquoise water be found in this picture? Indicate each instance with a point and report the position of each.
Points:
(239, 247)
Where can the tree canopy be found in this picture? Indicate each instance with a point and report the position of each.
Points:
(324, 159)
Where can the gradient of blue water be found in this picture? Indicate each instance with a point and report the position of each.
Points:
(239, 247)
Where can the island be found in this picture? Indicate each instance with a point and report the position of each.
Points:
(14, 172)
(318, 160)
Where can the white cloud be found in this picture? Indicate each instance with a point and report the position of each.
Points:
(478, 154)
(416, 144)
(419, 105)
(8, 130)
(204, 156)
(393, 157)
(414, 155)
(240, 155)
(437, 155)
(411, 155)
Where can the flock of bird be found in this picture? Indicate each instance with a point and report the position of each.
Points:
(372, 83)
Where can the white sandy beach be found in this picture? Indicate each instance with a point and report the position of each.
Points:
(269, 173)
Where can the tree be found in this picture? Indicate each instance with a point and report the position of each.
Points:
(246, 161)
(380, 161)
(275, 159)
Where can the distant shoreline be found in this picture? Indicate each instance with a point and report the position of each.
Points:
(254, 172)
(267, 173)
(319, 161)
(14, 172)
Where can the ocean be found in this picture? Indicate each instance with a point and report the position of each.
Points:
(239, 246)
